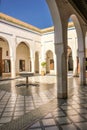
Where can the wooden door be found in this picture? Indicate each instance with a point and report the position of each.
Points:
(22, 65)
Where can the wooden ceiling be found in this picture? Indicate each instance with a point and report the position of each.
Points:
(81, 7)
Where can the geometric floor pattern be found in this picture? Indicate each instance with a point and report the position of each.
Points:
(37, 107)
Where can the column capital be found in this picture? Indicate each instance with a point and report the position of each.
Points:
(81, 51)
(58, 44)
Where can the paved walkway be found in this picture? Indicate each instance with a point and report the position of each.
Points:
(37, 107)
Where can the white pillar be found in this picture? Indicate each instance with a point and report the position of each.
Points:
(43, 59)
(39, 65)
(61, 61)
(55, 65)
(13, 70)
(75, 64)
(13, 56)
(32, 64)
(82, 68)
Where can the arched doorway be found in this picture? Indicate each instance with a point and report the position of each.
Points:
(36, 62)
(22, 58)
(5, 64)
(49, 61)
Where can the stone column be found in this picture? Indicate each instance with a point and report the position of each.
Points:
(32, 64)
(39, 64)
(13, 70)
(13, 56)
(55, 64)
(82, 67)
(75, 67)
(61, 60)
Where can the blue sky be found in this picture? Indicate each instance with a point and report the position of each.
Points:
(35, 12)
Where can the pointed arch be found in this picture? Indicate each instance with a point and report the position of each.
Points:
(23, 57)
(80, 65)
(79, 32)
(49, 61)
(5, 64)
(56, 20)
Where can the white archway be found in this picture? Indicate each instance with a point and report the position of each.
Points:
(49, 61)
(60, 32)
(22, 57)
(5, 63)
(79, 32)
(73, 44)
(56, 20)
(81, 47)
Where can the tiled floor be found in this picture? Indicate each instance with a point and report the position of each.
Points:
(37, 107)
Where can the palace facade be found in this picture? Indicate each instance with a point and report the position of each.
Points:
(23, 47)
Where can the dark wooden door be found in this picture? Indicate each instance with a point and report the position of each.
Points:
(0, 61)
(22, 65)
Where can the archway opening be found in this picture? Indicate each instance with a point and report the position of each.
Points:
(5, 64)
(22, 58)
(73, 44)
(49, 62)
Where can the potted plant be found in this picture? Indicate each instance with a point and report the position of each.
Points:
(43, 70)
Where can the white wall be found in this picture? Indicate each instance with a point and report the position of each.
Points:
(41, 43)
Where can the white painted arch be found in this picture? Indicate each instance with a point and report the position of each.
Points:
(56, 20)
(79, 31)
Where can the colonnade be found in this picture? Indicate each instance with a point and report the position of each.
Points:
(61, 11)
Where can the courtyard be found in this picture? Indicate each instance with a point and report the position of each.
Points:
(37, 107)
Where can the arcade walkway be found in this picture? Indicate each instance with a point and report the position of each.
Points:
(37, 107)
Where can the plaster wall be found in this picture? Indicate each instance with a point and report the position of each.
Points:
(36, 42)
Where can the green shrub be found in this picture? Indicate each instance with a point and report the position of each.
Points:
(43, 64)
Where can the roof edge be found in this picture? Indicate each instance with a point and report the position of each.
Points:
(29, 26)
(18, 22)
